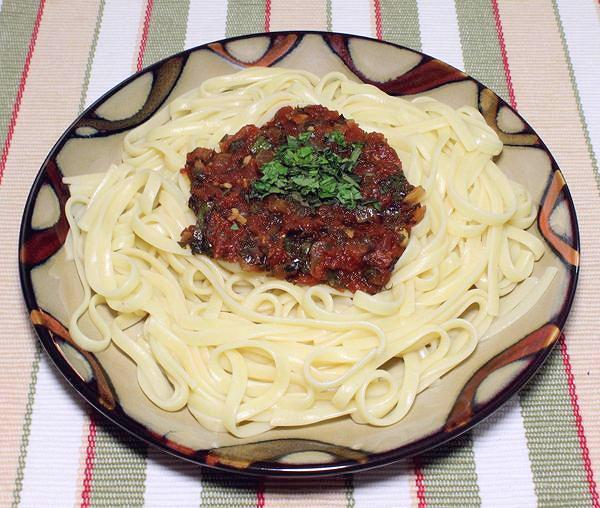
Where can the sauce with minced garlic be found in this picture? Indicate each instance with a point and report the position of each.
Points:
(309, 197)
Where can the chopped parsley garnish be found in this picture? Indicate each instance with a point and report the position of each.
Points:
(234, 227)
(313, 175)
(336, 137)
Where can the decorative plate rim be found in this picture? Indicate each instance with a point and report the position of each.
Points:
(278, 469)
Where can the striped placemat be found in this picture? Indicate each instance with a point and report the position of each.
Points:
(542, 448)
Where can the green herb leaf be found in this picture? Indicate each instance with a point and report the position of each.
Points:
(304, 137)
(336, 137)
(234, 227)
(313, 175)
(356, 151)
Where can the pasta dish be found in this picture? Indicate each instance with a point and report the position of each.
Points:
(278, 249)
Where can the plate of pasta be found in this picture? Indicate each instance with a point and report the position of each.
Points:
(299, 253)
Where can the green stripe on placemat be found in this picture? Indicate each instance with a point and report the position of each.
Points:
(449, 475)
(27, 425)
(554, 451)
(17, 19)
(244, 17)
(329, 15)
(228, 490)
(119, 474)
(400, 23)
(481, 49)
(349, 491)
(88, 67)
(168, 27)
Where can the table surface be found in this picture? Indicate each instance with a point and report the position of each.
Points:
(542, 448)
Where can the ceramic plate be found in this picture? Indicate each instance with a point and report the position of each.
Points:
(499, 366)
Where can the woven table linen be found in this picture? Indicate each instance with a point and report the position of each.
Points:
(543, 56)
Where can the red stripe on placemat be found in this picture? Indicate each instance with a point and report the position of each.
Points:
(420, 483)
(22, 82)
(268, 16)
(144, 37)
(90, 455)
(378, 23)
(260, 493)
(585, 453)
(509, 85)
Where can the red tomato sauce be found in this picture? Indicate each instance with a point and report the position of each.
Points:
(347, 248)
